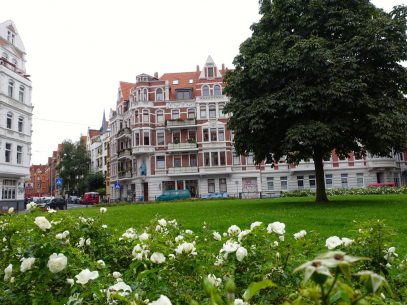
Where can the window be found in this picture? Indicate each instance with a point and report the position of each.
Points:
(221, 134)
(183, 94)
(160, 138)
(222, 185)
(212, 111)
(207, 161)
(202, 111)
(300, 182)
(177, 161)
(206, 135)
(328, 180)
(216, 90)
(210, 72)
(222, 158)
(192, 160)
(192, 135)
(312, 181)
(9, 122)
(146, 136)
(20, 124)
(137, 143)
(175, 114)
(211, 185)
(160, 116)
(175, 82)
(284, 182)
(159, 96)
(215, 158)
(205, 90)
(10, 36)
(344, 180)
(221, 106)
(21, 94)
(19, 154)
(136, 117)
(145, 116)
(236, 159)
(160, 162)
(176, 137)
(191, 113)
(9, 189)
(359, 180)
(145, 94)
(7, 153)
(213, 135)
(10, 88)
(250, 160)
(270, 183)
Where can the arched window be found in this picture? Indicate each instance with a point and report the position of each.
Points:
(20, 124)
(205, 90)
(145, 94)
(9, 122)
(10, 88)
(160, 116)
(217, 90)
(21, 94)
(139, 95)
(212, 111)
(159, 95)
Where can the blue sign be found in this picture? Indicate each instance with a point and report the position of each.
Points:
(58, 181)
(117, 185)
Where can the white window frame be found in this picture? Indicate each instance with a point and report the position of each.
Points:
(163, 133)
(157, 162)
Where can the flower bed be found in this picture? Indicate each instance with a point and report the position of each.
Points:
(54, 258)
(352, 191)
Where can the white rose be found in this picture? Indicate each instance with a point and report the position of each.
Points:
(42, 223)
(346, 241)
(88, 242)
(333, 242)
(7, 272)
(31, 205)
(230, 246)
(51, 211)
(81, 242)
(86, 275)
(57, 262)
(10, 210)
(157, 258)
(103, 210)
(143, 236)
(70, 281)
(162, 222)
(216, 236)
(163, 300)
(104, 226)
(121, 288)
(234, 230)
(117, 274)
(239, 302)
(276, 227)
(214, 280)
(101, 263)
(243, 234)
(178, 238)
(27, 264)
(300, 234)
(186, 248)
(241, 253)
(59, 236)
(255, 224)
(190, 232)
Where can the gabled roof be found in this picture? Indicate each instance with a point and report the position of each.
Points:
(93, 133)
(125, 90)
(10, 26)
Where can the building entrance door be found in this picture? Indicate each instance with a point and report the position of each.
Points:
(145, 191)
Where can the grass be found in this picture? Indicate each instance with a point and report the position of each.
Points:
(333, 218)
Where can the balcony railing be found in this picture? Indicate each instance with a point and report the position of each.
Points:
(125, 153)
(182, 146)
(180, 123)
(211, 97)
(140, 150)
(182, 170)
(382, 163)
(123, 175)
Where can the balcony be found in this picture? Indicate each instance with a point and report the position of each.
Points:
(377, 163)
(142, 150)
(182, 147)
(125, 175)
(180, 123)
(182, 170)
(125, 153)
(215, 170)
(211, 97)
(124, 132)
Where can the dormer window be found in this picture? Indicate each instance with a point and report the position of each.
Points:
(10, 37)
(210, 72)
(175, 82)
(183, 94)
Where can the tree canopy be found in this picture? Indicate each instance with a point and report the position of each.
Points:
(73, 166)
(317, 76)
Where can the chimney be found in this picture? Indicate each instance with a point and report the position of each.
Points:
(156, 74)
(223, 68)
(197, 68)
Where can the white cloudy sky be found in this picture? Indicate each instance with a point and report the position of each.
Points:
(79, 50)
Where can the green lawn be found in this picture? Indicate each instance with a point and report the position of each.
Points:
(334, 218)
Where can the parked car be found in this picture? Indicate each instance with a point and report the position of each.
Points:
(54, 203)
(388, 184)
(172, 195)
(91, 198)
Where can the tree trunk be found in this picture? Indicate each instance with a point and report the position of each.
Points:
(319, 175)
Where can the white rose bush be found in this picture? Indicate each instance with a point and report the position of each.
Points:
(60, 259)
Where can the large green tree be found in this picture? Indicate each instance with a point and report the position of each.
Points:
(73, 166)
(320, 75)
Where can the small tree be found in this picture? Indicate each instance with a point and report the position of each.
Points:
(317, 76)
(94, 181)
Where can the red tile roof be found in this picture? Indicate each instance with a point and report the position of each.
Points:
(125, 89)
(93, 133)
(183, 81)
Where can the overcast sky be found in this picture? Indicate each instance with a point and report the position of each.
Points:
(79, 50)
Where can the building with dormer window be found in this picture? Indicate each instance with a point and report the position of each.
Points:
(15, 118)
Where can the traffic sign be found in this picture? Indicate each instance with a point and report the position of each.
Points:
(58, 181)
(117, 185)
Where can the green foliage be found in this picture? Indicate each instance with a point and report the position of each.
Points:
(317, 76)
(73, 166)
(94, 181)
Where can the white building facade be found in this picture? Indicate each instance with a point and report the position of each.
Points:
(170, 133)
(15, 118)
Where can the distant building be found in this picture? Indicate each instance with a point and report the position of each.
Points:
(170, 132)
(39, 184)
(15, 118)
